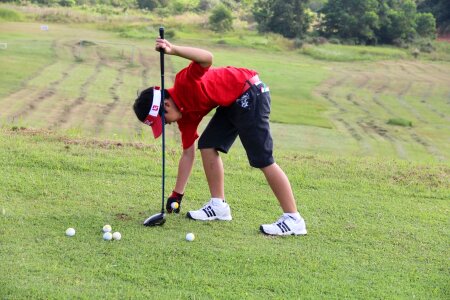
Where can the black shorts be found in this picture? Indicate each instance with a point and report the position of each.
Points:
(247, 117)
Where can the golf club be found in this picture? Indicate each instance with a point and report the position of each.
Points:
(160, 218)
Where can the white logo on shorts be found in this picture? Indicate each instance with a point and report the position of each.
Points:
(243, 101)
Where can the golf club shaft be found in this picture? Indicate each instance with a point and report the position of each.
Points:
(161, 59)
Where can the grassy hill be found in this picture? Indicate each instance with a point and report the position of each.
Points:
(83, 81)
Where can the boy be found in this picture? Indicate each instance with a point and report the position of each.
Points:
(243, 108)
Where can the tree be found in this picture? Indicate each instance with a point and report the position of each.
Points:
(425, 25)
(148, 4)
(221, 19)
(67, 3)
(286, 17)
(397, 21)
(351, 19)
(375, 21)
(440, 10)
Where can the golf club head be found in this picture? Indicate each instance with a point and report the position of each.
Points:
(155, 220)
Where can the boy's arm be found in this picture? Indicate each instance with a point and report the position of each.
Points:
(202, 57)
(184, 168)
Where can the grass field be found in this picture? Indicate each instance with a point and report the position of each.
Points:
(362, 133)
(377, 229)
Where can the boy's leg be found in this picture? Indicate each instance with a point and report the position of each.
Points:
(216, 208)
(279, 183)
(290, 222)
(213, 166)
(219, 135)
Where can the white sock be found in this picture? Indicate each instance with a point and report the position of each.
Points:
(217, 201)
(296, 216)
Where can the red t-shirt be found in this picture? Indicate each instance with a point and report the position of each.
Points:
(198, 90)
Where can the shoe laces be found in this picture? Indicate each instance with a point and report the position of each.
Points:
(209, 203)
(282, 219)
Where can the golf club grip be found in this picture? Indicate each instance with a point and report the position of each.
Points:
(161, 58)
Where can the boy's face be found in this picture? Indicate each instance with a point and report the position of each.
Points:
(172, 113)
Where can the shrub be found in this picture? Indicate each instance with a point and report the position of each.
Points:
(169, 33)
(9, 15)
(67, 3)
(427, 47)
(221, 19)
(205, 5)
(148, 4)
(298, 43)
(399, 122)
(426, 25)
(334, 41)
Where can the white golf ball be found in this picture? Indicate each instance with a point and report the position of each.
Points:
(107, 236)
(190, 237)
(117, 236)
(70, 232)
(174, 205)
(107, 228)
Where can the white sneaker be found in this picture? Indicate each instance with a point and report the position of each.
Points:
(213, 210)
(285, 226)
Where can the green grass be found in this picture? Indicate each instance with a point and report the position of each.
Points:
(400, 122)
(330, 52)
(23, 57)
(377, 228)
(10, 15)
(291, 79)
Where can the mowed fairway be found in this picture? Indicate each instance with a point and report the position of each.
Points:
(376, 229)
(375, 196)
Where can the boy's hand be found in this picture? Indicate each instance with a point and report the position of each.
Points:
(203, 57)
(174, 198)
(164, 44)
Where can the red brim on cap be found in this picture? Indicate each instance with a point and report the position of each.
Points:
(155, 123)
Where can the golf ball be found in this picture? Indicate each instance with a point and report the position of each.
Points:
(70, 232)
(117, 236)
(174, 205)
(190, 237)
(107, 228)
(107, 236)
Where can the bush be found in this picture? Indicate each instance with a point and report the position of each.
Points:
(426, 47)
(334, 41)
(298, 43)
(9, 15)
(205, 5)
(399, 122)
(169, 33)
(286, 17)
(67, 3)
(426, 25)
(221, 19)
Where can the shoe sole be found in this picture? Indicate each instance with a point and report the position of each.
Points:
(293, 233)
(188, 215)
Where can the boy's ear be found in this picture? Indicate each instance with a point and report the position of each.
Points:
(169, 103)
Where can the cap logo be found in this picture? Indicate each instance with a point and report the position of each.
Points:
(156, 102)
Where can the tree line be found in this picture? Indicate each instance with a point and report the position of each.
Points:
(350, 21)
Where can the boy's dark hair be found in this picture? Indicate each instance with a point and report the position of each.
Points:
(143, 102)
